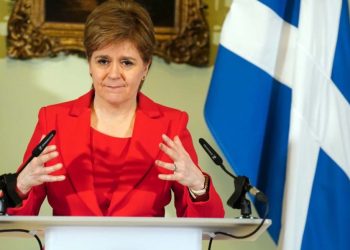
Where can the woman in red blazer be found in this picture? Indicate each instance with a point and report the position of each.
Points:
(116, 152)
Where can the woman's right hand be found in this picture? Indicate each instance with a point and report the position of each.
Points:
(35, 173)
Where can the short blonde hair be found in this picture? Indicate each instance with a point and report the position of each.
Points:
(117, 21)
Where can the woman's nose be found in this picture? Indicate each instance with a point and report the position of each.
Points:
(114, 71)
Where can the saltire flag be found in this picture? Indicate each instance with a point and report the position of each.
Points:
(278, 107)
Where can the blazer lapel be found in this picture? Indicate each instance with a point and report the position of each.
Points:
(74, 138)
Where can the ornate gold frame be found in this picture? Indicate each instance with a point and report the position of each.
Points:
(29, 36)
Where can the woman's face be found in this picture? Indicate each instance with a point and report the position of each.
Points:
(117, 71)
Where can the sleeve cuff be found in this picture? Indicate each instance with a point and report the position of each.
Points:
(203, 194)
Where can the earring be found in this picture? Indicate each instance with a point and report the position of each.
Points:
(90, 74)
(143, 78)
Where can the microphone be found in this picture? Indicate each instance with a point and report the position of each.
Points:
(39, 148)
(214, 156)
(218, 161)
(8, 193)
(43, 143)
(211, 152)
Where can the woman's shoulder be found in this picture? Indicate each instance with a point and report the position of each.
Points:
(71, 105)
(153, 108)
(60, 105)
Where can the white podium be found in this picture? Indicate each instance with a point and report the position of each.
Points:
(129, 233)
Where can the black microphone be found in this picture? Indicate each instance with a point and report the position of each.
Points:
(211, 152)
(39, 148)
(43, 143)
(218, 161)
(9, 196)
(214, 156)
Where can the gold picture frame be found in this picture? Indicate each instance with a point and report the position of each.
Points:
(33, 33)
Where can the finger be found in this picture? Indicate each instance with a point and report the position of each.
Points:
(169, 166)
(167, 177)
(170, 152)
(178, 144)
(52, 178)
(47, 157)
(49, 148)
(49, 170)
(170, 143)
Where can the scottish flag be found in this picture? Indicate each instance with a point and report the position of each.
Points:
(279, 108)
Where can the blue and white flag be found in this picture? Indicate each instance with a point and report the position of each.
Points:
(279, 108)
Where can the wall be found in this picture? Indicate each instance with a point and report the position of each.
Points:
(25, 86)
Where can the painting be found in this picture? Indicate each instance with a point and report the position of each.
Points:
(46, 28)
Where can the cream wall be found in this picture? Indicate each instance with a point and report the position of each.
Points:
(25, 86)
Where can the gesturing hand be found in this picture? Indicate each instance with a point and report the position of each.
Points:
(35, 173)
(185, 171)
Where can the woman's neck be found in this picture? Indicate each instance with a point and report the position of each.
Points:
(113, 120)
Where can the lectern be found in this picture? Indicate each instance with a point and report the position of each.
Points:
(129, 233)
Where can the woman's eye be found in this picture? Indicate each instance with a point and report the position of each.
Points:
(127, 63)
(102, 61)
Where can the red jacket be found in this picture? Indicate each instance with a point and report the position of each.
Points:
(140, 192)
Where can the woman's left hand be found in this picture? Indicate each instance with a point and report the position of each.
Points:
(185, 171)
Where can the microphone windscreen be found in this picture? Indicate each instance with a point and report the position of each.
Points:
(211, 152)
(44, 142)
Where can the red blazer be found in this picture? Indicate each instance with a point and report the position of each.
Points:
(139, 192)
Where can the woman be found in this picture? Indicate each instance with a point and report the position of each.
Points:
(116, 152)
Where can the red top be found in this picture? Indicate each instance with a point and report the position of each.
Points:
(108, 157)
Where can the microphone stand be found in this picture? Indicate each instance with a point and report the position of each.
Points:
(238, 199)
(3, 202)
(8, 196)
(8, 182)
(8, 192)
